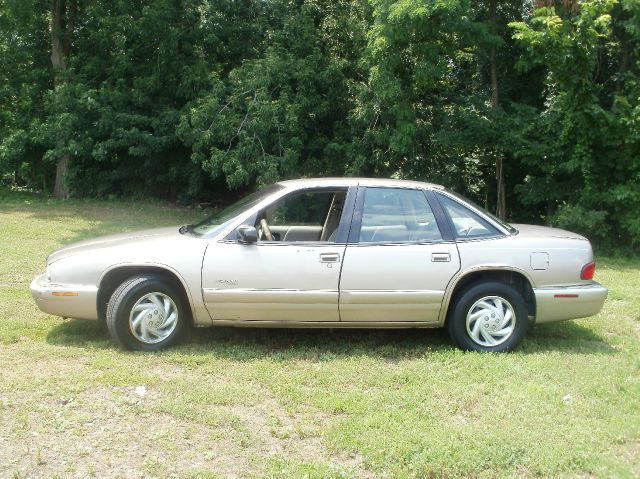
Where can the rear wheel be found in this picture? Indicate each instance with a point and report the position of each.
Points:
(488, 316)
(145, 313)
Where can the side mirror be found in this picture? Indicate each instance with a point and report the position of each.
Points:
(247, 234)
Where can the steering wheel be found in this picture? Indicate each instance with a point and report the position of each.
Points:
(266, 232)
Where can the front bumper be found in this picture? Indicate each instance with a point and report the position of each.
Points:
(66, 300)
(569, 302)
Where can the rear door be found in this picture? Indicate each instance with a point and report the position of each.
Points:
(397, 263)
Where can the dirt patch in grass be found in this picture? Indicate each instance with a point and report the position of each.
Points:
(110, 433)
(117, 432)
(297, 437)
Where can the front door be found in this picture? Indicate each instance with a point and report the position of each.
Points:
(397, 265)
(292, 272)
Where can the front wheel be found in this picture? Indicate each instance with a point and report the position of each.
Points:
(145, 313)
(488, 316)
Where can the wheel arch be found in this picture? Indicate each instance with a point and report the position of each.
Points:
(513, 277)
(115, 275)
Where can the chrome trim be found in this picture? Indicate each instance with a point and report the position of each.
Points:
(480, 238)
(256, 295)
(414, 296)
(329, 257)
(440, 257)
(401, 243)
(326, 324)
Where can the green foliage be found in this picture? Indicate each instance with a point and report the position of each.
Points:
(425, 109)
(119, 122)
(284, 113)
(24, 77)
(191, 99)
(591, 112)
(590, 223)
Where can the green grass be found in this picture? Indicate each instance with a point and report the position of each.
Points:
(295, 403)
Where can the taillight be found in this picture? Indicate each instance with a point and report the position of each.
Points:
(588, 270)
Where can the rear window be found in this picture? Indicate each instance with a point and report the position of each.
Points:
(466, 223)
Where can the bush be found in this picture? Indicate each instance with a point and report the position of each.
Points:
(590, 223)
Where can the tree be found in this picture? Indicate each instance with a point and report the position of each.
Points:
(501, 188)
(63, 18)
(283, 113)
(201, 99)
(25, 75)
(591, 121)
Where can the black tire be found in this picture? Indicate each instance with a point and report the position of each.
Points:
(131, 292)
(500, 294)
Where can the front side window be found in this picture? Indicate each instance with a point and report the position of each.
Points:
(302, 216)
(466, 223)
(303, 209)
(397, 215)
(216, 222)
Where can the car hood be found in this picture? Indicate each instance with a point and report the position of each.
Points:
(112, 240)
(532, 231)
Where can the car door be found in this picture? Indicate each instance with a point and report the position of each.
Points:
(293, 277)
(398, 262)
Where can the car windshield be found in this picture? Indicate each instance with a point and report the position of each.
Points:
(218, 220)
(504, 224)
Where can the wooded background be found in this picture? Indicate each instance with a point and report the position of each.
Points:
(531, 109)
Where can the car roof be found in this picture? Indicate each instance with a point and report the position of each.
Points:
(387, 182)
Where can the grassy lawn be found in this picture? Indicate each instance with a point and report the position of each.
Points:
(295, 403)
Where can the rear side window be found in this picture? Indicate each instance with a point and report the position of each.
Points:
(466, 223)
(397, 215)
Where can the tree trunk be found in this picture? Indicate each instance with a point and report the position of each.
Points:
(501, 187)
(569, 7)
(550, 209)
(62, 24)
(57, 32)
(501, 190)
(625, 62)
(60, 188)
(494, 75)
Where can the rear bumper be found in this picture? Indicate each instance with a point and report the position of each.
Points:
(66, 300)
(570, 302)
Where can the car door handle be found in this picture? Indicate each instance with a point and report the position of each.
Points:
(440, 257)
(329, 257)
